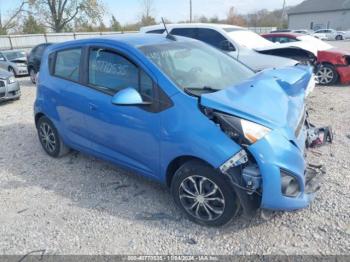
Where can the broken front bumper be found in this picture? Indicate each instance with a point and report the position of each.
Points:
(344, 73)
(9, 91)
(286, 184)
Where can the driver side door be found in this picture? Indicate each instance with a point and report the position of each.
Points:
(125, 134)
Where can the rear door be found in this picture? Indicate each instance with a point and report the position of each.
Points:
(69, 95)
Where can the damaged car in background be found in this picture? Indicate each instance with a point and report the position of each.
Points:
(185, 114)
(244, 45)
(14, 61)
(9, 87)
(332, 64)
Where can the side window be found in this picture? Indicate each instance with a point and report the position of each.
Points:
(186, 32)
(157, 31)
(112, 72)
(67, 64)
(211, 37)
(39, 51)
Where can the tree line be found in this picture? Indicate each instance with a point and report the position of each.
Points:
(42, 16)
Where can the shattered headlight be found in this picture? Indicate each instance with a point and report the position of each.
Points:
(252, 131)
(11, 80)
(241, 130)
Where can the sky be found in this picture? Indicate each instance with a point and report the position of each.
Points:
(128, 11)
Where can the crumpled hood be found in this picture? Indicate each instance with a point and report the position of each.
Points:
(293, 45)
(274, 98)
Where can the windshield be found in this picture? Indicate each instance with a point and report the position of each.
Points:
(195, 65)
(319, 44)
(248, 39)
(14, 55)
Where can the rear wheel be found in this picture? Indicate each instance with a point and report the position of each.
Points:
(339, 37)
(32, 75)
(49, 138)
(326, 75)
(204, 194)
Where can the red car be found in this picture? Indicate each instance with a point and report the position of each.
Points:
(333, 64)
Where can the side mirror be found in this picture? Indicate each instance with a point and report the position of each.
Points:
(128, 97)
(227, 46)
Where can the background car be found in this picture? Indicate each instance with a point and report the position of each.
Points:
(329, 34)
(332, 65)
(34, 60)
(9, 87)
(14, 61)
(303, 31)
(244, 45)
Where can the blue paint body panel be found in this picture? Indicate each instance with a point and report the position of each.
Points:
(147, 142)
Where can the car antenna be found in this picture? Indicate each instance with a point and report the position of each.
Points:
(168, 35)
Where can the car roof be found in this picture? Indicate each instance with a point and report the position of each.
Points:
(190, 25)
(10, 51)
(131, 39)
(287, 34)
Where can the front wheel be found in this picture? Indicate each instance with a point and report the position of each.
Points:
(326, 75)
(49, 138)
(11, 70)
(204, 194)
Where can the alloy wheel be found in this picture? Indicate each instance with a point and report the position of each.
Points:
(325, 75)
(202, 198)
(47, 137)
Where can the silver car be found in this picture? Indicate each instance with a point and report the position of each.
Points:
(9, 87)
(14, 61)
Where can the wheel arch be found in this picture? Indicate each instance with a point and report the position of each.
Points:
(37, 117)
(176, 163)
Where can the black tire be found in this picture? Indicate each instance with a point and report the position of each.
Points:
(321, 73)
(339, 37)
(11, 70)
(32, 75)
(208, 177)
(54, 147)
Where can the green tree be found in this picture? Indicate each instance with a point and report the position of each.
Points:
(31, 26)
(60, 14)
(115, 25)
(11, 21)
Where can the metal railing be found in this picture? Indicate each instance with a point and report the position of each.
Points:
(8, 42)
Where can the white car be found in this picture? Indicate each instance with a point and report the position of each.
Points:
(329, 34)
(244, 45)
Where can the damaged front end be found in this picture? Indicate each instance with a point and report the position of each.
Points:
(271, 173)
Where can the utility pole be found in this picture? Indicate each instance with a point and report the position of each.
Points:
(190, 11)
(283, 12)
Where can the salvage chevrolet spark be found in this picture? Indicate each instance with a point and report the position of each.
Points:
(183, 113)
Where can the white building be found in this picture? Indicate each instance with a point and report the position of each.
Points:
(319, 14)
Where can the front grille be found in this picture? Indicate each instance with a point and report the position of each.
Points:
(300, 125)
(2, 83)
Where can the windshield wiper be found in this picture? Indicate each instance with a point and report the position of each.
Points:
(195, 90)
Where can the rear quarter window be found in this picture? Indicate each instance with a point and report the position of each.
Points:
(67, 64)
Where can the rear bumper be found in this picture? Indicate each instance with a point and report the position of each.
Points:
(11, 91)
(21, 71)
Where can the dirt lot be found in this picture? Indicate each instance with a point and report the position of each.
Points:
(81, 205)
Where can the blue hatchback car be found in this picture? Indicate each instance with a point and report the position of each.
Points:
(181, 112)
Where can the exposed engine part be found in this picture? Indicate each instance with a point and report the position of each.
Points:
(252, 178)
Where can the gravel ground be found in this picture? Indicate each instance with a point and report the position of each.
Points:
(81, 205)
